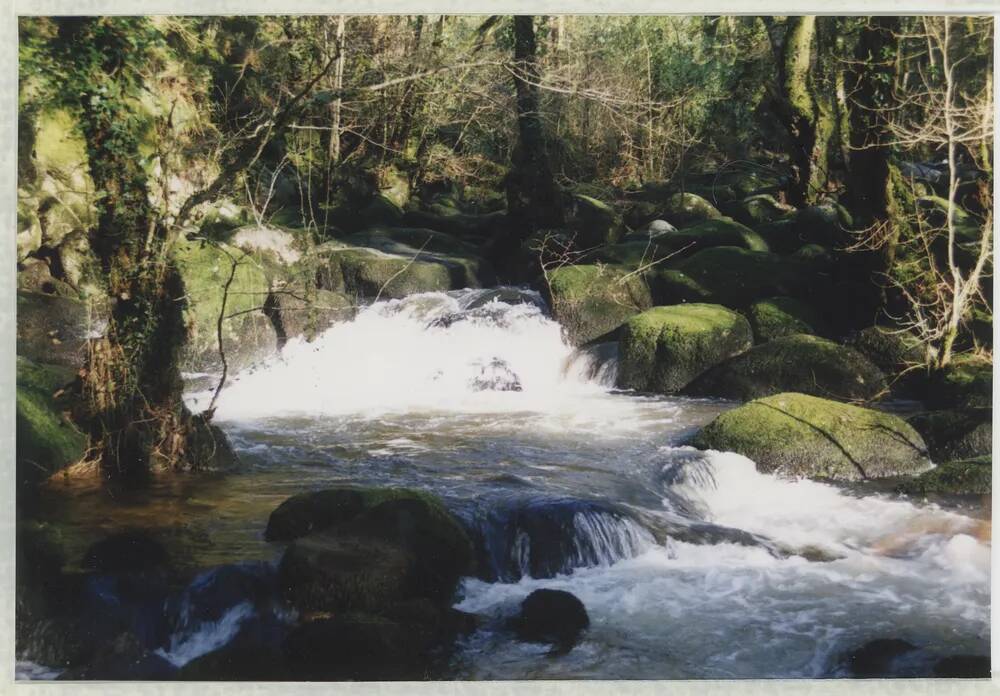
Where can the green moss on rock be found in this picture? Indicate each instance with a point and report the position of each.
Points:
(593, 222)
(46, 440)
(737, 277)
(756, 210)
(592, 300)
(952, 435)
(681, 209)
(966, 477)
(799, 363)
(365, 274)
(665, 348)
(800, 435)
(967, 382)
(782, 316)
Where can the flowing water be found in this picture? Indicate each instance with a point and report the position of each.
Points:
(691, 564)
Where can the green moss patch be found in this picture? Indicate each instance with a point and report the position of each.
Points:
(737, 277)
(592, 300)
(775, 317)
(966, 477)
(799, 363)
(665, 348)
(799, 435)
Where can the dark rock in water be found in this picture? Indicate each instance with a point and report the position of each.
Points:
(496, 375)
(510, 296)
(317, 510)
(330, 572)
(254, 654)
(129, 551)
(405, 640)
(544, 537)
(551, 616)
(875, 658)
(405, 546)
(796, 363)
(213, 593)
(963, 667)
(495, 315)
(56, 642)
(960, 434)
(124, 658)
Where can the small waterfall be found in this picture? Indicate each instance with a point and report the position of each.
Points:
(465, 350)
(541, 538)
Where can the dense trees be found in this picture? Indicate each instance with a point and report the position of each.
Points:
(308, 120)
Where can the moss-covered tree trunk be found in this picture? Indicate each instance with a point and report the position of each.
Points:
(877, 195)
(533, 198)
(131, 381)
(807, 120)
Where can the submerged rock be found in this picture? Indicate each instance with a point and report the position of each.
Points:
(665, 348)
(800, 435)
(799, 363)
(496, 375)
(551, 616)
(592, 300)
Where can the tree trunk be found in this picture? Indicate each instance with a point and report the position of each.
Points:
(800, 112)
(875, 191)
(532, 196)
(131, 382)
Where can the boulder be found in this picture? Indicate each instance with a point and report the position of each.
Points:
(405, 546)
(890, 349)
(592, 300)
(47, 441)
(496, 375)
(736, 277)
(380, 211)
(721, 231)
(775, 317)
(551, 616)
(593, 222)
(284, 244)
(306, 314)
(757, 209)
(800, 435)
(665, 348)
(129, 551)
(781, 234)
(876, 657)
(684, 209)
(961, 434)
(366, 274)
(247, 334)
(967, 382)
(800, 363)
(54, 330)
(827, 224)
(967, 477)
(34, 275)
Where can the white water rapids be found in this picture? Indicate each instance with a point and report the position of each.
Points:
(400, 396)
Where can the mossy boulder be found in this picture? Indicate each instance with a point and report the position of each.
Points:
(683, 209)
(967, 382)
(592, 300)
(775, 317)
(960, 434)
(966, 477)
(827, 224)
(369, 550)
(736, 277)
(247, 334)
(54, 329)
(593, 222)
(220, 218)
(800, 435)
(891, 349)
(756, 210)
(306, 313)
(665, 348)
(669, 286)
(381, 210)
(366, 274)
(800, 363)
(721, 231)
(46, 440)
(781, 234)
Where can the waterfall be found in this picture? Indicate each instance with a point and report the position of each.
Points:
(467, 350)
